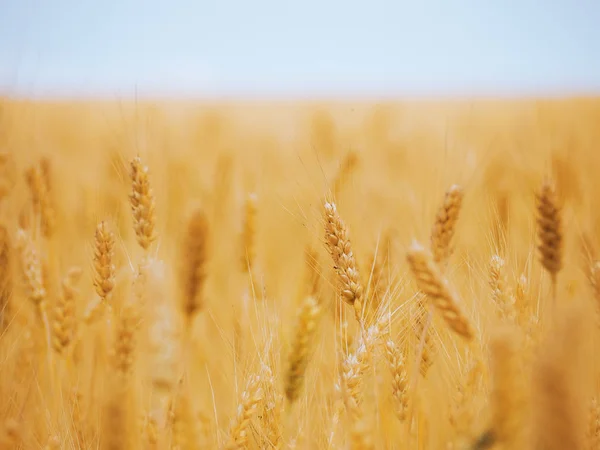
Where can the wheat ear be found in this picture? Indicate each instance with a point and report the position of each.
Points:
(194, 256)
(142, 204)
(247, 407)
(445, 224)
(432, 283)
(501, 295)
(301, 347)
(340, 248)
(395, 361)
(63, 326)
(550, 232)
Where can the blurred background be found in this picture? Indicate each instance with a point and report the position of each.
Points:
(269, 48)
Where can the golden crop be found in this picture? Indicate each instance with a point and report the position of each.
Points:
(420, 275)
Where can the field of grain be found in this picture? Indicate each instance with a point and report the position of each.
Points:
(416, 275)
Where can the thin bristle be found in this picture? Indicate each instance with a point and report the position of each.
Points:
(501, 296)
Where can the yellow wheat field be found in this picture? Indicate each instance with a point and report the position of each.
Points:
(419, 275)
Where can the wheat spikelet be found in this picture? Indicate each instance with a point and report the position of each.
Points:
(521, 299)
(31, 270)
(399, 379)
(63, 325)
(123, 357)
(193, 273)
(104, 273)
(142, 204)
(301, 347)
(445, 224)
(344, 263)
(247, 407)
(549, 231)
(500, 293)
(422, 322)
(104, 268)
(355, 364)
(350, 384)
(431, 282)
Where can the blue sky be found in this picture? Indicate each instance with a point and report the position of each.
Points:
(309, 47)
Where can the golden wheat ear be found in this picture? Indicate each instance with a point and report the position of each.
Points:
(445, 225)
(301, 347)
(550, 234)
(63, 325)
(396, 363)
(247, 408)
(432, 283)
(193, 267)
(104, 267)
(340, 249)
(142, 204)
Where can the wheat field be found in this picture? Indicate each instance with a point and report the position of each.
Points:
(410, 275)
